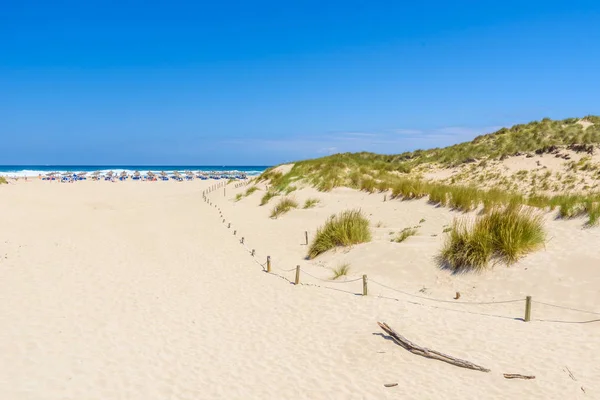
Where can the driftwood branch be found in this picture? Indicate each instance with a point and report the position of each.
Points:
(428, 353)
(518, 376)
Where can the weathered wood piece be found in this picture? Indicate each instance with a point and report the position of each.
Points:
(518, 376)
(428, 353)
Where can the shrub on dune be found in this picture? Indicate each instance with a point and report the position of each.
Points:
(466, 248)
(504, 234)
(516, 231)
(345, 229)
(3, 180)
(283, 206)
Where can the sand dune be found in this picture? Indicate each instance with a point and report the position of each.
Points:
(139, 291)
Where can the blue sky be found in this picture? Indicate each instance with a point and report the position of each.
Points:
(264, 82)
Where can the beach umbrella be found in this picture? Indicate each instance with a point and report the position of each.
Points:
(150, 173)
(136, 173)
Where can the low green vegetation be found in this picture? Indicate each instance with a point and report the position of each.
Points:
(504, 234)
(283, 206)
(3, 180)
(238, 196)
(348, 169)
(311, 202)
(344, 229)
(339, 271)
(404, 234)
(402, 172)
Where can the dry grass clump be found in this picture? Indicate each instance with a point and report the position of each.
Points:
(311, 202)
(339, 271)
(238, 196)
(347, 228)
(283, 206)
(3, 180)
(504, 234)
(404, 234)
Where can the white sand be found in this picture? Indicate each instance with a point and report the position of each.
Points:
(137, 290)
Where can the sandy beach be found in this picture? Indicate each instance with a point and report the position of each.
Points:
(139, 290)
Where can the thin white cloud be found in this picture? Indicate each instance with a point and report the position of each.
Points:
(466, 131)
(327, 150)
(408, 131)
(360, 134)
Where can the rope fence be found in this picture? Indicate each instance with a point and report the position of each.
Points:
(299, 272)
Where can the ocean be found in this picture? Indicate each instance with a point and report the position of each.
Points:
(35, 170)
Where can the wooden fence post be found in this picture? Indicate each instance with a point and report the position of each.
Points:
(229, 225)
(297, 281)
(252, 253)
(385, 197)
(268, 263)
(234, 232)
(242, 240)
(365, 290)
(527, 308)
(306, 237)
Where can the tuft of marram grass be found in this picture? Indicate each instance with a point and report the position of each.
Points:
(3, 180)
(311, 202)
(268, 196)
(404, 234)
(368, 185)
(593, 210)
(341, 270)
(504, 234)
(250, 190)
(238, 196)
(283, 207)
(345, 229)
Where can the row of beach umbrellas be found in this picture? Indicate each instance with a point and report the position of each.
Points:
(124, 174)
